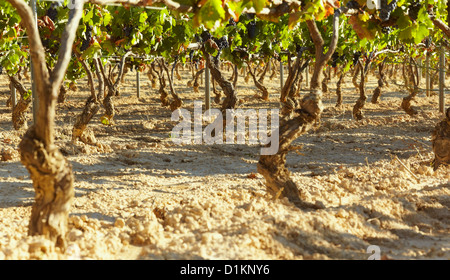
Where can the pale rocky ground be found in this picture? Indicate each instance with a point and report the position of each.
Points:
(143, 197)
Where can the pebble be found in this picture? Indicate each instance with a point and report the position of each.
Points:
(74, 234)
(120, 223)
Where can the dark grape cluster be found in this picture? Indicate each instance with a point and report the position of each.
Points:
(353, 5)
(87, 41)
(205, 36)
(52, 13)
(45, 43)
(386, 29)
(386, 9)
(334, 59)
(222, 43)
(231, 22)
(428, 41)
(127, 30)
(356, 57)
(413, 10)
(251, 29)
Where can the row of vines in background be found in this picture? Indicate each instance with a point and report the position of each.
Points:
(110, 32)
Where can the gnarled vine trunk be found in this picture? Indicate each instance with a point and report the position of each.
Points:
(273, 167)
(163, 95)
(62, 94)
(195, 79)
(413, 74)
(19, 111)
(50, 172)
(113, 88)
(152, 76)
(381, 82)
(357, 109)
(228, 89)
(92, 104)
(340, 98)
(258, 84)
(176, 101)
(53, 181)
(441, 141)
(325, 80)
(289, 86)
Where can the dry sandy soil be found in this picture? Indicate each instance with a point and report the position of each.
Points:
(143, 197)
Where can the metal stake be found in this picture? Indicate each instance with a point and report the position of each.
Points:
(441, 79)
(281, 75)
(207, 89)
(138, 83)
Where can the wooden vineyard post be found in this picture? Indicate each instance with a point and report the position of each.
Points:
(138, 84)
(441, 79)
(281, 75)
(427, 74)
(207, 89)
(419, 70)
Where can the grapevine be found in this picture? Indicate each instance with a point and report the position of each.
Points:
(101, 43)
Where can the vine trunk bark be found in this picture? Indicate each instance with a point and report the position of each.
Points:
(273, 167)
(50, 172)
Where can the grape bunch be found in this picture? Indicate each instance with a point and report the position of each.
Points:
(87, 40)
(251, 29)
(413, 10)
(353, 5)
(1, 69)
(334, 59)
(231, 22)
(127, 30)
(191, 55)
(386, 9)
(205, 36)
(222, 43)
(45, 43)
(52, 13)
(356, 57)
(428, 41)
(386, 29)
